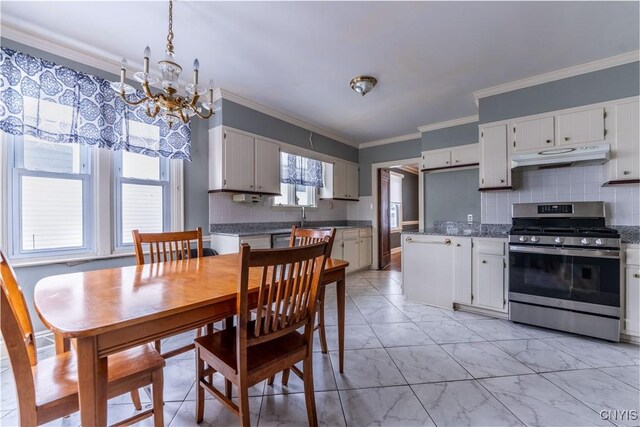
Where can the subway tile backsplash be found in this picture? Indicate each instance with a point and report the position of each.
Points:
(578, 183)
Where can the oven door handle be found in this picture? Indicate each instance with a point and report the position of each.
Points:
(590, 253)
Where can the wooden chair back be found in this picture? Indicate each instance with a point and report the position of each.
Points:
(169, 246)
(17, 332)
(306, 236)
(289, 281)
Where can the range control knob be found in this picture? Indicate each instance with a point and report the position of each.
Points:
(585, 241)
(600, 242)
(559, 240)
(535, 239)
(522, 238)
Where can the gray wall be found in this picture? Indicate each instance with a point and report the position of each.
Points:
(604, 85)
(244, 118)
(195, 187)
(383, 153)
(450, 137)
(450, 196)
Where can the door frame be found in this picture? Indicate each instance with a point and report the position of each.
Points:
(374, 199)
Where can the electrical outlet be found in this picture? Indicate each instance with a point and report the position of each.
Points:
(469, 217)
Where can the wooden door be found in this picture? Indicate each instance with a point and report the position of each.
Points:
(494, 166)
(267, 167)
(239, 162)
(384, 210)
(533, 134)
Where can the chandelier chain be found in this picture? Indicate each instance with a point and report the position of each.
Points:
(170, 33)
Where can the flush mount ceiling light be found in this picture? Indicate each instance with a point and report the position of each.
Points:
(169, 104)
(363, 84)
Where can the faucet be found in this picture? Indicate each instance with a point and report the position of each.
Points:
(303, 220)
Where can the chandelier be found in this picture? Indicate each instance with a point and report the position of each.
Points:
(169, 105)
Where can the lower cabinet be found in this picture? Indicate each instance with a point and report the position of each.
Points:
(353, 246)
(631, 323)
(229, 244)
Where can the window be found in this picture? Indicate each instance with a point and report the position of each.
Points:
(142, 189)
(300, 178)
(395, 199)
(50, 195)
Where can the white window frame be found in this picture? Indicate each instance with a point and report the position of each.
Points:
(15, 172)
(399, 227)
(163, 182)
(312, 192)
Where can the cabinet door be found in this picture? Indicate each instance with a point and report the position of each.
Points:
(626, 149)
(239, 162)
(465, 156)
(267, 167)
(441, 159)
(352, 181)
(581, 127)
(336, 250)
(339, 180)
(490, 282)
(427, 274)
(632, 300)
(365, 251)
(494, 166)
(351, 254)
(462, 271)
(533, 134)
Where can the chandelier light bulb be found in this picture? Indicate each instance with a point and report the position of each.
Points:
(147, 54)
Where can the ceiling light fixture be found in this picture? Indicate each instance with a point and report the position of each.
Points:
(169, 105)
(363, 84)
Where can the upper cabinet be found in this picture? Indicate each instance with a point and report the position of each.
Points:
(494, 158)
(454, 157)
(624, 166)
(533, 134)
(340, 181)
(239, 162)
(581, 127)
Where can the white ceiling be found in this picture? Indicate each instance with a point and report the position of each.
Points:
(298, 57)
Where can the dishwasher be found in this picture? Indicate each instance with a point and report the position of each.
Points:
(280, 240)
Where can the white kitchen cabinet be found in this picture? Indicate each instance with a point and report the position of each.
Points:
(267, 167)
(429, 268)
(352, 181)
(624, 165)
(364, 250)
(351, 254)
(465, 155)
(490, 274)
(437, 160)
(494, 157)
(581, 127)
(229, 244)
(353, 245)
(458, 156)
(631, 323)
(462, 271)
(533, 134)
(239, 162)
(340, 181)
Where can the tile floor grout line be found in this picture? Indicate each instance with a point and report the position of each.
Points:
(500, 401)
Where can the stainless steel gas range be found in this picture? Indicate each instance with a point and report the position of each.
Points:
(564, 268)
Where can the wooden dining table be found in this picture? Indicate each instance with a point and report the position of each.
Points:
(107, 311)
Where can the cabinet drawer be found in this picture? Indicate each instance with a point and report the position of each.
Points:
(365, 232)
(633, 256)
(257, 242)
(350, 234)
(488, 247)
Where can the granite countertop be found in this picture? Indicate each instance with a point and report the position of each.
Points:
(255, 229)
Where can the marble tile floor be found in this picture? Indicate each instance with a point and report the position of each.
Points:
(409, 364)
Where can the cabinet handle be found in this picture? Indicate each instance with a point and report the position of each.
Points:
(502, 181)
(457, 161)
(446, 163)
(484, 261)
(259, 186)
(251, 186)
(447, 242)
(566, 138)
(636, 275)
(548, 141)
(626, 172)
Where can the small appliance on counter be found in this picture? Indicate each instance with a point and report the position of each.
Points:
(564, 268)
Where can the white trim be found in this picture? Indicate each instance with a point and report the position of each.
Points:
(4, 193)
(448, 123)
(374, 201)
(176, 194)
(225, 94)
(396, 174)
(410, 222)
(400, 138)
(563, 73)
(396, 250)
(415, 170)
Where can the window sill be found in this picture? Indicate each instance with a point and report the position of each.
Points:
(70, 260)
(293, 208)
(396, 230)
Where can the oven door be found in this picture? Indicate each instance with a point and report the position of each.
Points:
(577, 279)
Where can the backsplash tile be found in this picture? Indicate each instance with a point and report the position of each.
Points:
(578, 183)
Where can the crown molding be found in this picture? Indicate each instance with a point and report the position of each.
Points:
(448, 123)
(576, 70)
(390, 140)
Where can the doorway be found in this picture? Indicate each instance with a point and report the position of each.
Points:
(399, 209)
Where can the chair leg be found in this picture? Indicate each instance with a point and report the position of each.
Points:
(199, 389)
(135, 398)
(158, 346)
(321, 331)
(243, 404)
(227, 388)
(309, 393)
(158, 401)
(271, 380)
(285, 376)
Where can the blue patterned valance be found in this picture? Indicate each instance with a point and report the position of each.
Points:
(300, 170)
(35, 92)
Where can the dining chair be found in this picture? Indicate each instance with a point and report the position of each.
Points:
(253, 350)
(48, 389)
(170, 246)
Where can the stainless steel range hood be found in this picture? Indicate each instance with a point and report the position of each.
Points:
(561, 157)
